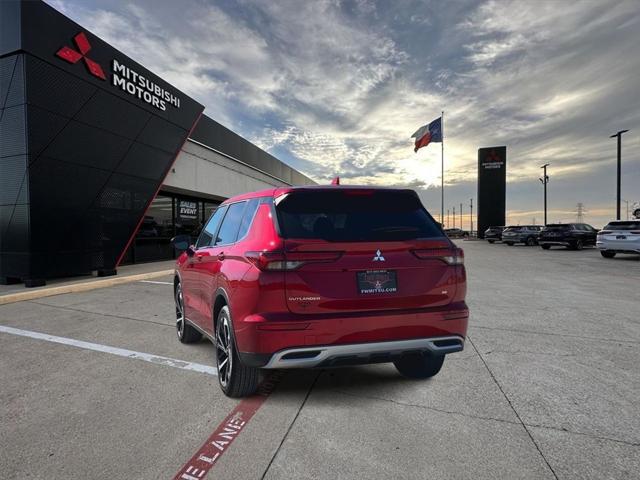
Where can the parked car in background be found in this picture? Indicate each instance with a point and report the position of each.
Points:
(493, 234)
(303, 277)
(456, 233)
(527, 234)
(575, 236)
(620, 236)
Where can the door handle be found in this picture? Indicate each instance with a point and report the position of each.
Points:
(221, 256)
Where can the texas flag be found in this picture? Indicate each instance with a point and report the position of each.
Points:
(428, 133)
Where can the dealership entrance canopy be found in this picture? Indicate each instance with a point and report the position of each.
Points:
(102, 161)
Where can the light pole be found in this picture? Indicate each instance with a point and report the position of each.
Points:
(471, 214)
(619, 136)
(460, 216)
(448, 217)
(545, 180)
(454, 217)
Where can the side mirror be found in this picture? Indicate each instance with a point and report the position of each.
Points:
(181, 242)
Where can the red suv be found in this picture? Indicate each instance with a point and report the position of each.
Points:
(300, 277)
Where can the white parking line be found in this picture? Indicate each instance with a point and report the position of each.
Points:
(157, 283)
(121, 352)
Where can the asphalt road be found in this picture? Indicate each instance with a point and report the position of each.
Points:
(548, 387)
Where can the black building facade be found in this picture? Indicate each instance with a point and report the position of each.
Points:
(87, 136)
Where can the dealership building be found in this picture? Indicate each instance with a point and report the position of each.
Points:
(102, 162)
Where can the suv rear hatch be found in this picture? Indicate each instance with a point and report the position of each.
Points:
(362, 250)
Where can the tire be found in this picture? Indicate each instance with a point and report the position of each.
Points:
(545, 247)
(530, 242)
(235, 379)
(607, 253)
(577, 245)
(491, 241)
(186, 333)
(419, 365)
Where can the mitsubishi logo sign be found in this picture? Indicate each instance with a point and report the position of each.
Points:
(73, 56)
(123, 76)
(378, 257)
(492, 160)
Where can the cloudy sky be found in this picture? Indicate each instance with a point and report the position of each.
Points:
(338, 87)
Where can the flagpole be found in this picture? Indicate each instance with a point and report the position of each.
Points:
(442, 172)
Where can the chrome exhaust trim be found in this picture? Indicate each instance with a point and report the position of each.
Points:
(309, 357)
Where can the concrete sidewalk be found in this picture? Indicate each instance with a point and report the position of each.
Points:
(58, 286)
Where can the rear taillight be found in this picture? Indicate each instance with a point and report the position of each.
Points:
(265, 260)
(605, 232)
(447, 255)
(279, 261)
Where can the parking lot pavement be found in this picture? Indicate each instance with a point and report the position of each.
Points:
(547, 387)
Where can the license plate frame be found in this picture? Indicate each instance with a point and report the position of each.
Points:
(372, 282)
(621, 237)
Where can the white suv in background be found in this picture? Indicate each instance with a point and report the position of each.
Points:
(620, 236)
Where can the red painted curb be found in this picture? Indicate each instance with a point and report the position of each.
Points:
(225, 433)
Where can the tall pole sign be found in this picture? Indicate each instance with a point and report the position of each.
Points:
(492, 177)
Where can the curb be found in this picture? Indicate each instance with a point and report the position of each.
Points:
(80, 287)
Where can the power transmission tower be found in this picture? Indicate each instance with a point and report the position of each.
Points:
(580, 211)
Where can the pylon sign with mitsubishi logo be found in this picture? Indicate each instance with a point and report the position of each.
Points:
(122, 76)
(491, 205)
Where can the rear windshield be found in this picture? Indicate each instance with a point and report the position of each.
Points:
(513, 229)
(623, 226)
(556, 228)
(355, 215)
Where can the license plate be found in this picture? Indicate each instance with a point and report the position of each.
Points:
(377, 281)
(621, 237)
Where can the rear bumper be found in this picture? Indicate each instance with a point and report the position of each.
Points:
(554, 242)
(264, 339)
(354, 354)
(618, 246)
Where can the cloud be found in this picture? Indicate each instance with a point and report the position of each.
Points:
(336, 87)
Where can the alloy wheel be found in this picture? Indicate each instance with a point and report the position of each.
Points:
(179, 311)
(224, 347)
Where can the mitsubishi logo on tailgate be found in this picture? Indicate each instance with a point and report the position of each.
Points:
(74, 56)
(378, 257)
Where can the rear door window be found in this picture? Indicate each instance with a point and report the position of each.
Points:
(354, 215)
(228, 232)
(206, 236)
(247, 217)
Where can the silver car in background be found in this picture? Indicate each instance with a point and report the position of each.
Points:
(620, 236)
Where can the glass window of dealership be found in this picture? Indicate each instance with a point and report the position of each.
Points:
(168, 215)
